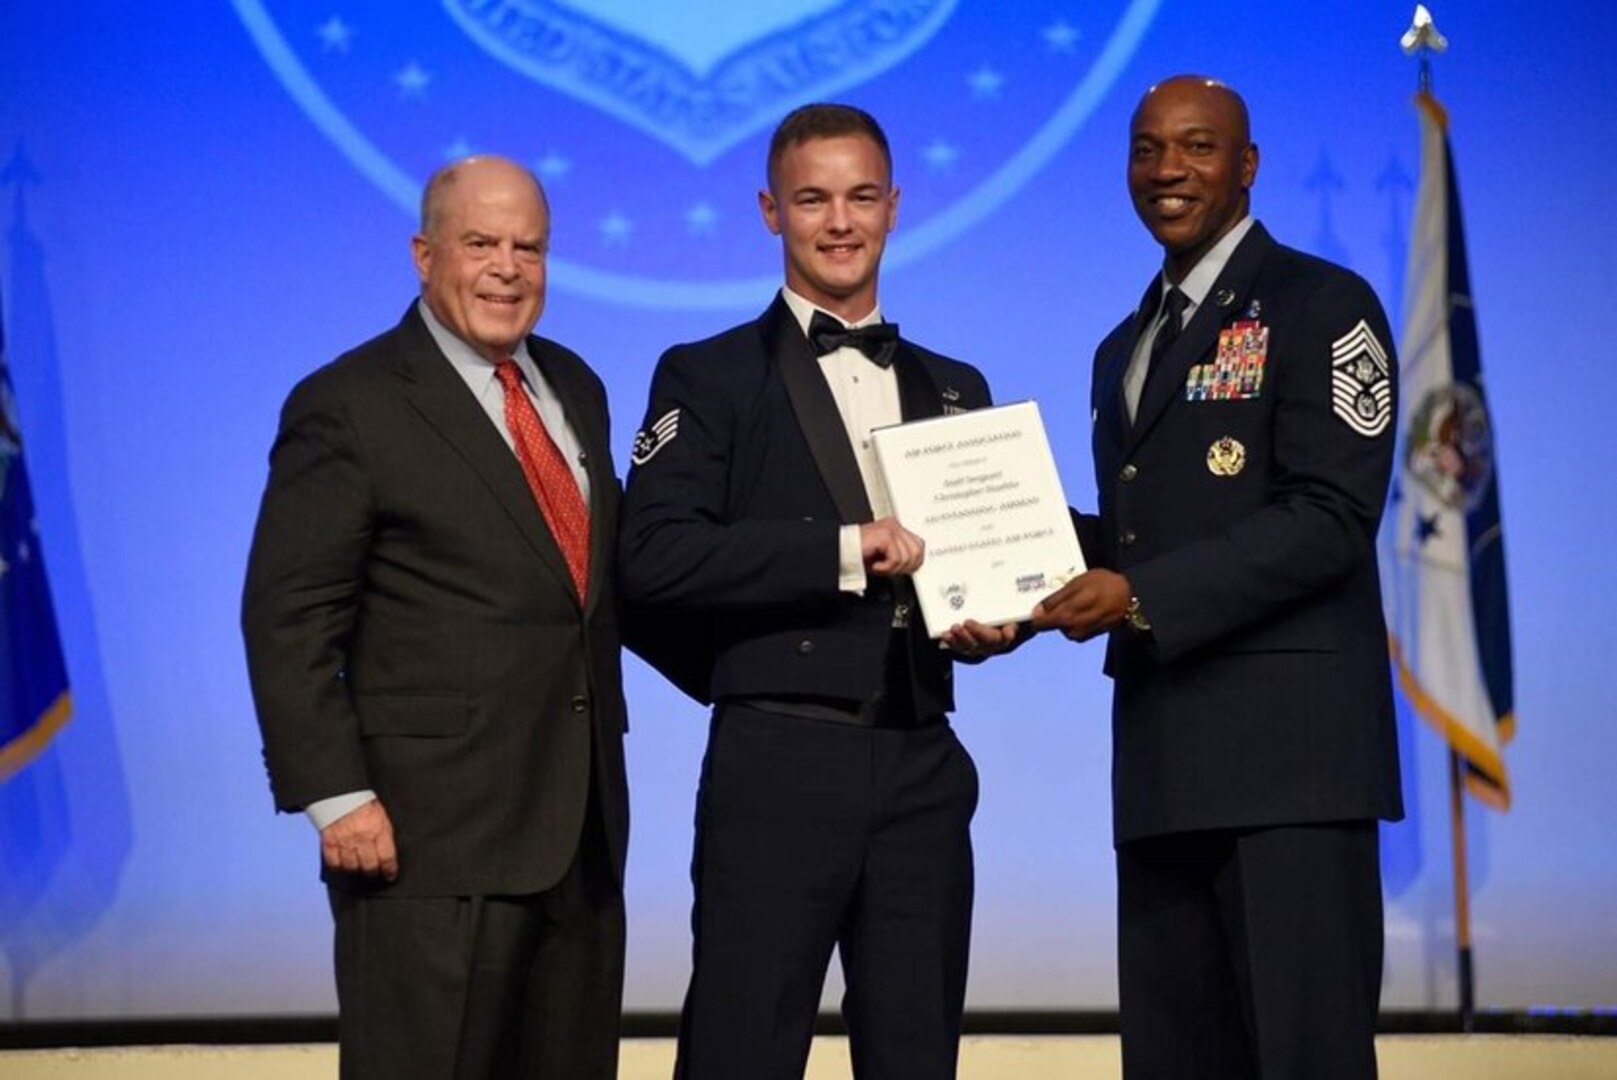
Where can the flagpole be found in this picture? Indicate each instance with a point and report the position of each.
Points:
(1462, 894)
(1421, 41)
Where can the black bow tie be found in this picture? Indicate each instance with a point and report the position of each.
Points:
(877, 341)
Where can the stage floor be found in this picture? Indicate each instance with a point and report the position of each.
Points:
(1402, 1057)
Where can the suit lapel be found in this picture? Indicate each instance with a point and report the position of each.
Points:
(918, 395)
(1112, 411)
(816, 412)
(1227, 297)
(440, 396)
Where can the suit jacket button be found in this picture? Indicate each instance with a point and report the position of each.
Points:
(1126, 538)
(805, 647)
(580, 703)
(1129, 472)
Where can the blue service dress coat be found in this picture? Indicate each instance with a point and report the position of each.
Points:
(1242, 505)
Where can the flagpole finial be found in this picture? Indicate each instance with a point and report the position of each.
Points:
(1422, 39)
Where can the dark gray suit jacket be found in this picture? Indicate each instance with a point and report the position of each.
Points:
(411, 626)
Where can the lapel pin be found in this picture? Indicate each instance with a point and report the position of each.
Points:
(1224, 297)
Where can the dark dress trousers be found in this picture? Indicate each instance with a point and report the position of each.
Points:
(412, 629)
(1253, 731)
(835, 800)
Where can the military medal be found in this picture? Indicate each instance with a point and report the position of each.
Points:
(1236, 373)
(1226, 457)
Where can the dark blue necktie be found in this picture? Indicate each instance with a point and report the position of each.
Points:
(1173, 307)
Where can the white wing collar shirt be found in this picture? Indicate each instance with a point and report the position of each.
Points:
(867, 397)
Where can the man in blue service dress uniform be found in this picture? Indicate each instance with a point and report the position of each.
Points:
(763, 571)
(1243, 440)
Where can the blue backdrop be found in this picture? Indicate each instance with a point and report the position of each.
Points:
(205, 201)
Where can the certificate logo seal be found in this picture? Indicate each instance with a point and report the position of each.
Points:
(648, 123)
(1036, 582)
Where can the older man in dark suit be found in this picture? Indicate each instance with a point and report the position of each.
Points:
(765, 573)
(1243, 437)
(431, 637)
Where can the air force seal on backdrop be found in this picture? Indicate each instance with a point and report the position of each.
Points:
(648, 123)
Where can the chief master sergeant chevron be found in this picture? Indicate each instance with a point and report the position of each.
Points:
(1243, 440)
(764, 572)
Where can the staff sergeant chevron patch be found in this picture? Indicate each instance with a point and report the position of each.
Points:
(654, 436)
(1361, 381)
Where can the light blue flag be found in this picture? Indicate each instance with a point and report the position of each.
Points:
(1445, 567)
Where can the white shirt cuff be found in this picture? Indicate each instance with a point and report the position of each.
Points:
(850, 561)
(323, 812)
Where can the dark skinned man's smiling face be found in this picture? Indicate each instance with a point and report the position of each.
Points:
(1192, 163)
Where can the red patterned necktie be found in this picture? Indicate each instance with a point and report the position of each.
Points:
(551, 481)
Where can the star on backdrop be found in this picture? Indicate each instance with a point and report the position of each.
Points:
(1061, 36)
(335, 34)
(702, 219)
(412, 80)
(616, 229)
(985, 83)
(940, 155)
(552, 167)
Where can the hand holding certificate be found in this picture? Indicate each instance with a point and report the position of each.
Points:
(981, 489)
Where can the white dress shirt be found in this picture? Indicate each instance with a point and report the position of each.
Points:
(867, 397)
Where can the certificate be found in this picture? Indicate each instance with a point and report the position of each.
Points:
(981, 489)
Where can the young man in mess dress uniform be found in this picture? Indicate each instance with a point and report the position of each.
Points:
(765, 573)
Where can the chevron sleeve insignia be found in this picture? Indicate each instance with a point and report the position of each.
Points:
(1361, 381)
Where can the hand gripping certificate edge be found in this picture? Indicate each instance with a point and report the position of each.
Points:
(975, 587)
